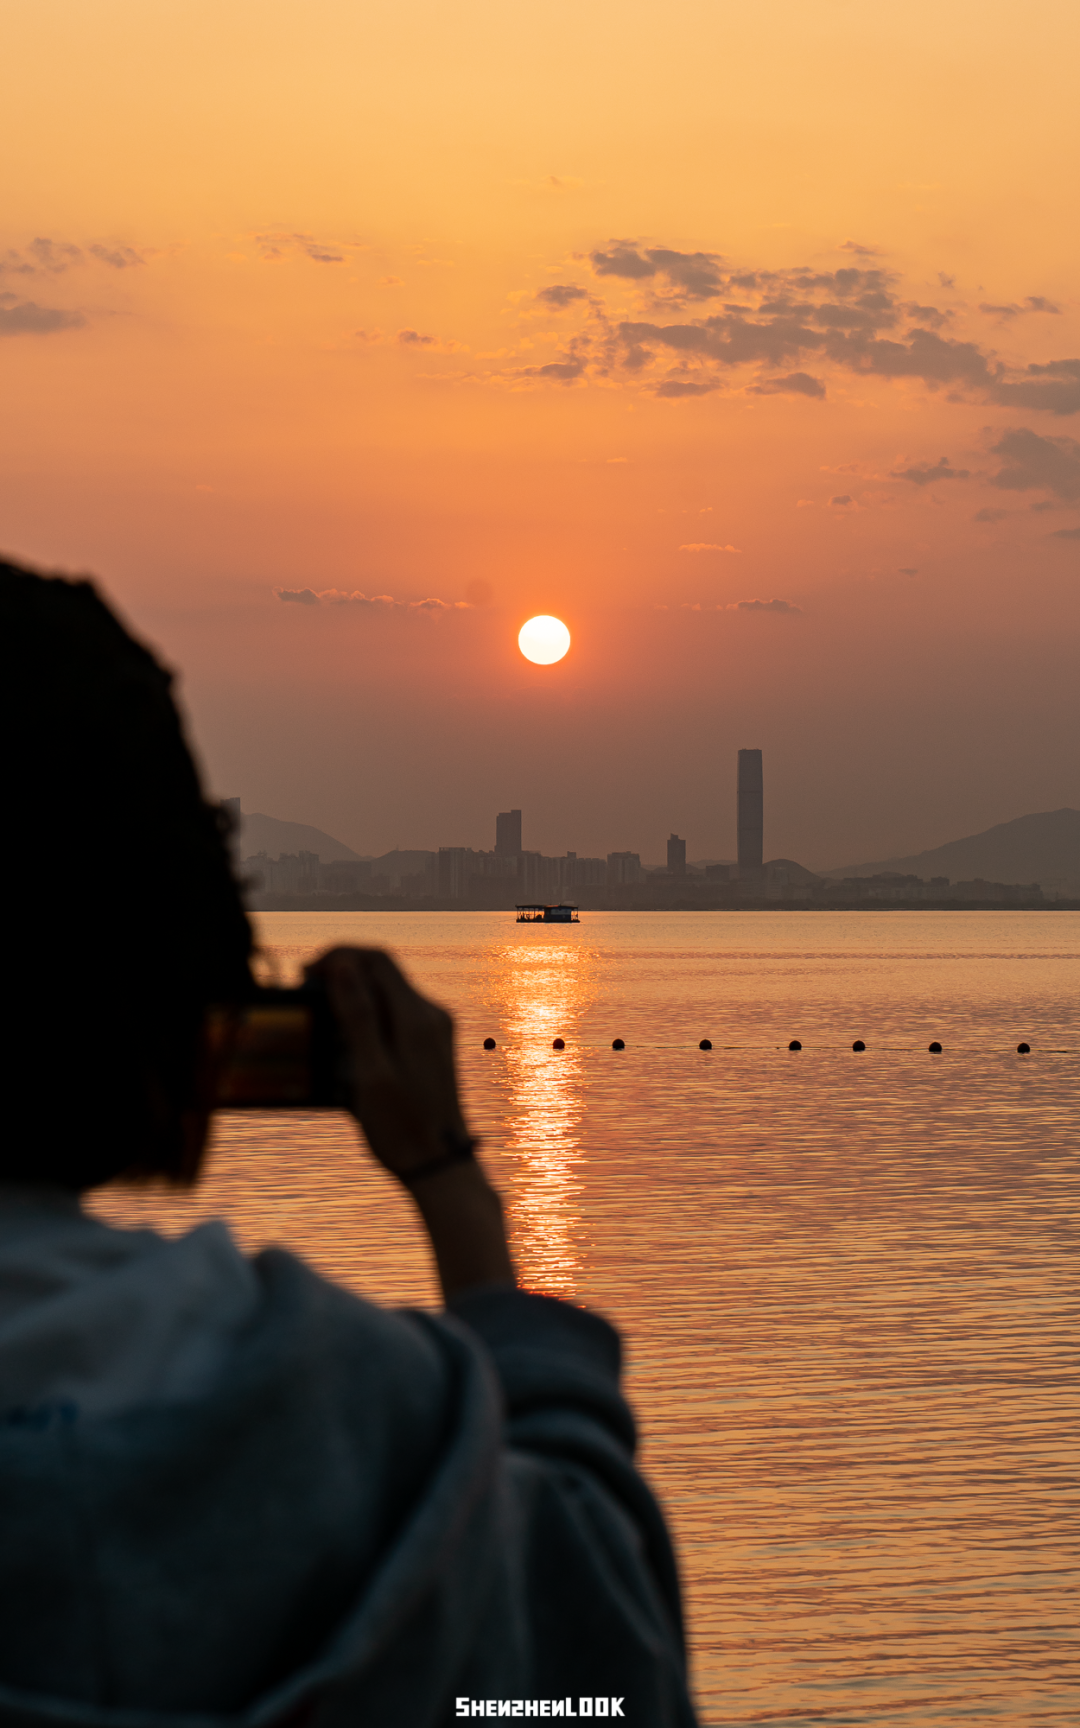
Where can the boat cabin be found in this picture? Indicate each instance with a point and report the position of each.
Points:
(547, 915)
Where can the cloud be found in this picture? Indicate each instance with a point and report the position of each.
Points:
(563, 371)
(673, 388)
(794, 384)
(117, 257)
(1053, 388)
(562, 294)
(908, 570)
(689, 275)
(1066, 534)
(931, 317)
(417, 339)
(710, 318)
(843, 501)
(1032, 462)
(26, 318)
(928, 473)
(369, 602)
(1033, 303)
(274, 247)
(990, 515)
(708, 546)
(42, 257)
(763, 606)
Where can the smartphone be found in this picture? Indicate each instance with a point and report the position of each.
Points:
(281, 1051)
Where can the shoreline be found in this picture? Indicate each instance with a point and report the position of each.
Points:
(400, 903)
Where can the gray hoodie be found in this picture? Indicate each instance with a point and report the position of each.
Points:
(230, 1491)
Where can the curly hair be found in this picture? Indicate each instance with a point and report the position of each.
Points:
(123, 918)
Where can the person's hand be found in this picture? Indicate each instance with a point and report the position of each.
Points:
(405, 1097)
(401, 1056)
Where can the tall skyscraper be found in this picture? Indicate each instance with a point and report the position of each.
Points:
(676, 856)
(508, 833)
(750, 812)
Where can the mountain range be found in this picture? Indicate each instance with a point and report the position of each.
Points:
(269, 834)
(1043, 848)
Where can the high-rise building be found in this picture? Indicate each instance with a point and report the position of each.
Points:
(453, 869)
(508, 833)
(624, 867)
(676, 856)
(750, 812)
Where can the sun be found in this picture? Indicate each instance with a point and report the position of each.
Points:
(544, 640)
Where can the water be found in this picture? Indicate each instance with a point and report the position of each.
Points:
(846, 1281)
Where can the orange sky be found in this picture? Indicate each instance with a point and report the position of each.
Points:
(742, 338)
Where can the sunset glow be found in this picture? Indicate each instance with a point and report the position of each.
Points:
(333, 335)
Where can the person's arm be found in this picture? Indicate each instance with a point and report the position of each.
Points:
(405, 1097)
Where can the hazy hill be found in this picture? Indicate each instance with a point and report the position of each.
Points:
(268, 834)
(1043, 848)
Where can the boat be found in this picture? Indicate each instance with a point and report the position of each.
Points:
(561, 914)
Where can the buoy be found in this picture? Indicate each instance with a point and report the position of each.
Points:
(617, 1044)
(558, 1044)
(858, 1045)
(706, 1044)
(794, 1045)
(935, 1048)
(489, 1043)
(1023, 1049)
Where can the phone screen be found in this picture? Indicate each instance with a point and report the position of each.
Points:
(269, 1051)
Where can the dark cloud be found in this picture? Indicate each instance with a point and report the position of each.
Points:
(930, 317)
(690, 275)
(368, 602)
(413, 339)
(117, 257)
(43, 257)
(54, 256)
(763, 606)
(793, 384)
(275, 246)
(561, 294)
(945, 280)
(1066, 534)
(928, 473)
(990, 515)
(926, 355)
(28, 319)
(859, 250)
(908, 570)
(1053, 388)
(673, 388)
(623, 259)
(1032, 462)
(563, 371)
(1033, 303)
(842, 501)
(789, 323)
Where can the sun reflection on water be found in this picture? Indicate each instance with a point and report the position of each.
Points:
(545, 988)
